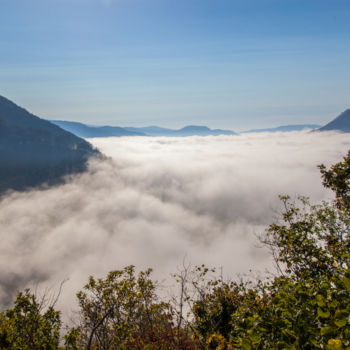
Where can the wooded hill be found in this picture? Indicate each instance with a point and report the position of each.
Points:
(33, 151)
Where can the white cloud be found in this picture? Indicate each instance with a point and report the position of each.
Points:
(157, 200)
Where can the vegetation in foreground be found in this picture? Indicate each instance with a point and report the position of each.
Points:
(305, 305)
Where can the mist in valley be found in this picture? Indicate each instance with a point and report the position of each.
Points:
(157, 201)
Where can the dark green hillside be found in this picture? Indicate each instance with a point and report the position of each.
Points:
(34, 151)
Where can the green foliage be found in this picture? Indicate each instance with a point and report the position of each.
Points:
(28, 327)
(123, 312)
(338, 179)
(307, 306)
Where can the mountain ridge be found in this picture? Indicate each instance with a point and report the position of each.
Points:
(33, 151)
(83, 130)
(340, 123)
(284, 128)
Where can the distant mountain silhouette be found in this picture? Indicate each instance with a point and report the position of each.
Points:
(192, 130)
(340, 123)
(33, 151)
(285, 128)
(151, 130)
(83, 130)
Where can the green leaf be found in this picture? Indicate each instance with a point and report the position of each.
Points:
(326, 330)
(341, 322)
(346, 282)
(320, 300)
(246, 345)
(255, 337)
(323, 313)
(334, 344)
(341, 317)
(333, 304)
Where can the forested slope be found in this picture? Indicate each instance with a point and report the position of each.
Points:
(34, 151)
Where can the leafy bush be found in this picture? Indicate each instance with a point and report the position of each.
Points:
(27, 326)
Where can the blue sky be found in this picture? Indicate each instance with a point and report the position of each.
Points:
(235, 64)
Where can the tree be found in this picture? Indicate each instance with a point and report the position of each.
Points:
(123, 311)
(307, 304)
(338, 179)
(30, 325)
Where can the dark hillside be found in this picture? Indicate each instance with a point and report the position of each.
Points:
(34, 151)
(340, 123)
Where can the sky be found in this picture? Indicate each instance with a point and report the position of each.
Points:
(235, 64)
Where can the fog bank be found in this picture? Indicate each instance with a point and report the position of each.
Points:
(155, 201)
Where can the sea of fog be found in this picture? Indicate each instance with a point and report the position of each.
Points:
(157, 201)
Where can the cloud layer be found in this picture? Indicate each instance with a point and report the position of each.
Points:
(155, 201)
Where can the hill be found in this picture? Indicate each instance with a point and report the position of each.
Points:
(340, 123)
(83, 130)
(192, 130)
(34, 151)
(284, 128)
(152, 130)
